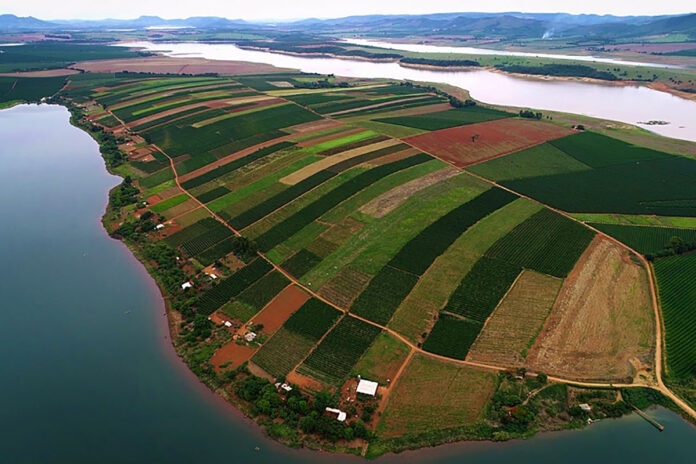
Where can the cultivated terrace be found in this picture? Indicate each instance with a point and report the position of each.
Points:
(496, 274)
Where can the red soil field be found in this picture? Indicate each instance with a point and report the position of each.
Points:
(474, 143)
(280, 308)
(232, 353)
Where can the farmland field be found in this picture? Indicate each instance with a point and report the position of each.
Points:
(602, 321)
(474, 143)
(515, 323)
(296, 338)
(335, 356)
(433, 394)
(546, 242)
(446, 119)
(452, 336)
(678, 297)
(383, 359)
(645, 239)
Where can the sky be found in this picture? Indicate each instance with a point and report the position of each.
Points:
(289, 9)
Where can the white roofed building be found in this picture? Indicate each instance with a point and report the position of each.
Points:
(367, 387)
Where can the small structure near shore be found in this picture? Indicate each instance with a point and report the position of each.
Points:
(341, 416)
(186, 285)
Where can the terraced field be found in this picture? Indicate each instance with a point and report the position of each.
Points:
(319, 234)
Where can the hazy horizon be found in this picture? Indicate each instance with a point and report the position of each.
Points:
(285, 11)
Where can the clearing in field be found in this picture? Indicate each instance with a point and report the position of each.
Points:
(515, 323)
(434, 395)
(602, 321)
(474, 143)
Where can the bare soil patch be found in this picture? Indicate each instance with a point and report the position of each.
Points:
(515, 323)
(232, 353)
(280, 308)
(602, 319)
(173, 65)
(306, 383)
(474, 143)
(388, 201)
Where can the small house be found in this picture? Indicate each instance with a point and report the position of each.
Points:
(585, 407)
(228, 324)
(250, 336)
(341, 416)
(159, 226)
(186, 285)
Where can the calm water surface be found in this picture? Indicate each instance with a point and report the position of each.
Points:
(87, 374)
(424, 48)
(630, 104)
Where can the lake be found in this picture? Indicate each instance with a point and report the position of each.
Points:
(88, 373)
(631, 104)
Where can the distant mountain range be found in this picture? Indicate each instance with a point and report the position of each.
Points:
(508, 25)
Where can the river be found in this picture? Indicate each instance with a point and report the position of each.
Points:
(632, 104)
(425, 48)
(87, 373)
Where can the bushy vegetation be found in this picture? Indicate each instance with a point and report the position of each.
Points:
(440, 62)
(558, 69)
(124, 194)
(168, 271)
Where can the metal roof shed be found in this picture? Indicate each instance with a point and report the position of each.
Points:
(367, 387)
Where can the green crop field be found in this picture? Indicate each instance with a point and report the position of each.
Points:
(169, 203)
(51, 54)
(449, 118)
(482, 288)
(258, 294)
(645, 239)
(232, 286)
(546, 242)
(300, 263)
(28, 88)
(202, 242)
(419, 253)
(623, 178)
(296, 338)
(384, 294)
(452, 336)
(335, 356)
(675, 280)
(191, 232)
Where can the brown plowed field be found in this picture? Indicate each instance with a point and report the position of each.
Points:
(44, 73)
(514, 324)
(232, 353)
(307, 383)
(474, 143)
(280, 308)
(602, 319)
(170, 65)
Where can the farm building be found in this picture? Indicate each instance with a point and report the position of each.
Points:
(186, 285)
(367, 387)
(341, 416)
